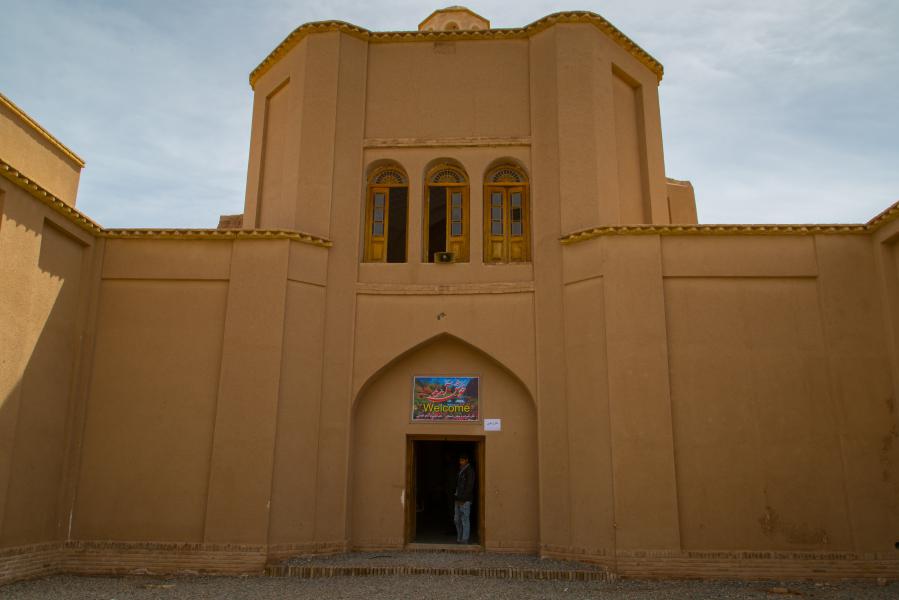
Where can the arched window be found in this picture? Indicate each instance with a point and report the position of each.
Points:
(386, 215)
(446, 213)
(506, 216)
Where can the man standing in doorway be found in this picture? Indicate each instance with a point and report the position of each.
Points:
(464, 496)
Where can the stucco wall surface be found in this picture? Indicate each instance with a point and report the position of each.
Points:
(435, 103)
(47, 270)
(186, 379)
(780, 383)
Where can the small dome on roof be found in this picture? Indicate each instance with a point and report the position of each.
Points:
(454, 18)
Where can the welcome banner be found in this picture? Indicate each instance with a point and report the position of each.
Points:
(445, 399)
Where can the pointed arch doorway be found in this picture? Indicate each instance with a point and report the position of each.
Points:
(385, 489)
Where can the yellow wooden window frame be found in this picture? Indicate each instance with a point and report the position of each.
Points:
(506, 246)
(457, 244)
(376, 245)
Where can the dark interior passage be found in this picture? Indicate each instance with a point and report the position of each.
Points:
(436, 221)
(396, 233)
(436, 469)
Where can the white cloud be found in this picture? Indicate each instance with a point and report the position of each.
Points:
(777, 111)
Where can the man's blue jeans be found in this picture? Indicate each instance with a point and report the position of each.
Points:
(462, 517)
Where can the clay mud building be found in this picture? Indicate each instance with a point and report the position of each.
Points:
(455, 204)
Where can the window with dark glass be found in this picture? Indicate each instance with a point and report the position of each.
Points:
(446, 213)
(506, 219)
(386, 216)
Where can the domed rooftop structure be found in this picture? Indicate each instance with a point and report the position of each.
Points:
(454, 18)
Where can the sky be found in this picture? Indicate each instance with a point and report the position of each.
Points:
(778, 111)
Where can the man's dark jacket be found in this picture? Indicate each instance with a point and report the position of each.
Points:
(465, 484)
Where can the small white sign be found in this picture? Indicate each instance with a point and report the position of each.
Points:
(493, 424)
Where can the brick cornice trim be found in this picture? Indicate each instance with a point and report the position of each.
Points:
(297, 35)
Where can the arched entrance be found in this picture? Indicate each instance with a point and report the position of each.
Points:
(388, 451)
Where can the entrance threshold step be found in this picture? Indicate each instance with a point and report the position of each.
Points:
(489, 572)
(438, 559)
(444, 548)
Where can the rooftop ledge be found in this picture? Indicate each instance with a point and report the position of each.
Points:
(85, 223)
(41, 132)
(457, 35)
(891, 213)
(216, 234)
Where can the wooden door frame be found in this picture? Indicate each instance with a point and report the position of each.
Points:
(426, 219)
(480, 441)
(507, 190)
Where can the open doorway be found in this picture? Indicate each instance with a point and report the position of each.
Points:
(432, 470)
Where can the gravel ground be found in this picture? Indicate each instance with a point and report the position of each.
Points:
(488, 560)
(438, 588)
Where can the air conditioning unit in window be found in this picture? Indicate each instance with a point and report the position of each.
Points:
(444, 257)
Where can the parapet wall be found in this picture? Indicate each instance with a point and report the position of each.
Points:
(29, 146)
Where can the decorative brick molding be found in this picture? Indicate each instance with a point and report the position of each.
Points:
(748, 564)
(414, 289)
(466, 142)
(757, 565)
(890, 214)
(589, 234)
(121, 558)
(887, 215)
(398, 545)
(378, 545)
(40, 194)
(278, 552)
(27, 562)
(512, 547)
(216, 234)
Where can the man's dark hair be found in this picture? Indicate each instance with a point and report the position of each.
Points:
(465, 456)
